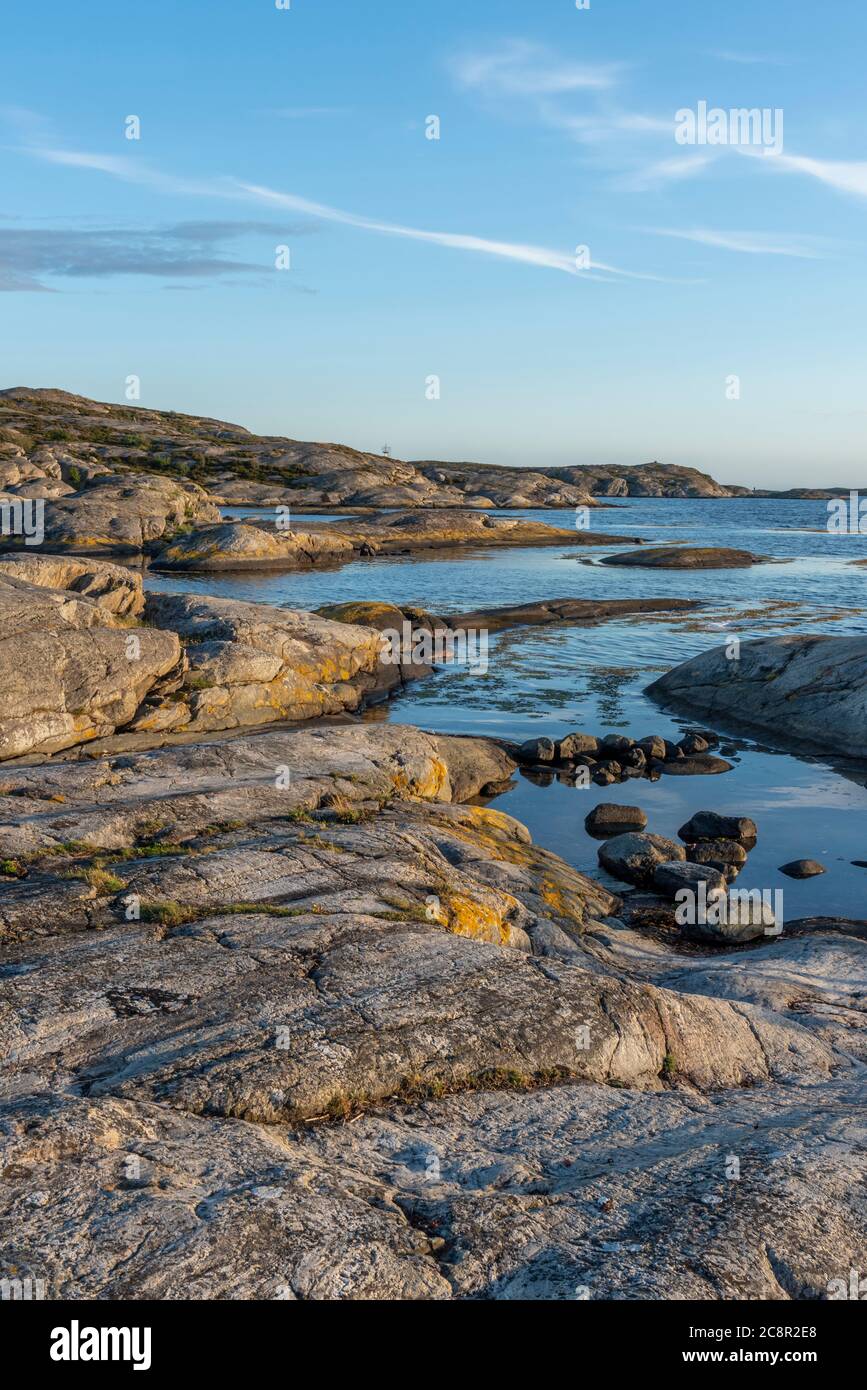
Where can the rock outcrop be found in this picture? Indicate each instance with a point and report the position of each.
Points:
(73, 671)
(232, 545)
(643, 480)
(114, 588)
(85, 663)
(437, 528)
(124, 514)
(809, 692)
(207, 967)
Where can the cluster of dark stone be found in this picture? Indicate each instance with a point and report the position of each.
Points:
(615, 758)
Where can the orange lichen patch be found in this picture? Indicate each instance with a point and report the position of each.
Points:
(498, 822)
(360, 612)
(552, 893)
(466, 916)
(428, 786)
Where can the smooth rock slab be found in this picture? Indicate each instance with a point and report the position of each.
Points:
(798, 691)
(682, 557)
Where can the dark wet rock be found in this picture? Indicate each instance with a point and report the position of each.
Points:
(609, 819)
(673, 751)
(681, 557)
(693, 743)
(798, 691)
(802, 868)
(604, 777)
(574, 745)
(438, 528)
(671, 878)
(537, 750)
(698, 765)
(610, 765)
(634, 857)
(653, 746)
(709, 825)
(720, 853)
(711, 739)
(611, 745)
(633, 759)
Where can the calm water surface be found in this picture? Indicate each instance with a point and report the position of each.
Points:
(551, 681)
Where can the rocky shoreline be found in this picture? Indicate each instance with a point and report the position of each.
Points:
(289, 1009)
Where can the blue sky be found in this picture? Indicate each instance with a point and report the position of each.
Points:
(454, 258)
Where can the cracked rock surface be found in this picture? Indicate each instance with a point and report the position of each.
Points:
(282, 1017)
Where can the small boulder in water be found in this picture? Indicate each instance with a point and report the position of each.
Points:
(709, 825)
(537, 750)
(802, 868)
(574, 746)
(610, 819)
(670, 878)
(633, 858)
(613, 744)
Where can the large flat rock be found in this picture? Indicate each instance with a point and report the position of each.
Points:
(281, 1018)
(805, 691)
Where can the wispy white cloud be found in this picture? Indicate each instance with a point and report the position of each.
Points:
(594, 127)
(728, 55)
(847, 176)
(650, 177)
(458, 241)
(753, 243)
(131, 170)
(516, 67)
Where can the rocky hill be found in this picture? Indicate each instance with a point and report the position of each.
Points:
(53, 444)
(645, 480)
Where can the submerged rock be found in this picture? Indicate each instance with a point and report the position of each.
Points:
(682, 557)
